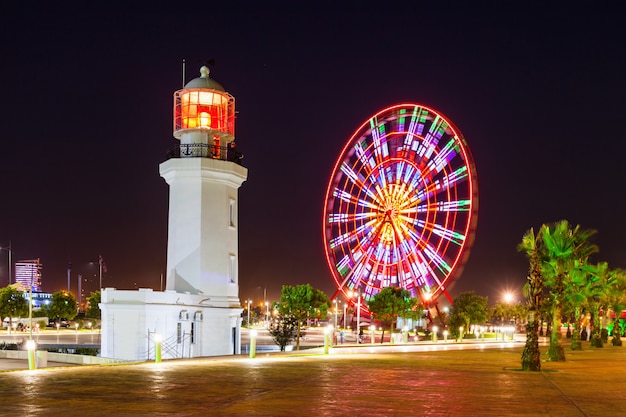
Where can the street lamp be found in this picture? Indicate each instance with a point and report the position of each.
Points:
(335, 301)
(508, 297)
(267, 311)
(249, 301)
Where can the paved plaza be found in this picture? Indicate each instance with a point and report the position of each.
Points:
(365, 381)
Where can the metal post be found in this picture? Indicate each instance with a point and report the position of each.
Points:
(100, 264)
(249, 313)
(358, 315)
(30, 303)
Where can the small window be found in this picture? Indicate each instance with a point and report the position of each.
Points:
(183, 315)
(193, 332)
(232, 270)
(198, 316)
(231, 213)
(179, 333)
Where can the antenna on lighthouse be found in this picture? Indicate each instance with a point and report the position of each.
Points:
(183, 73)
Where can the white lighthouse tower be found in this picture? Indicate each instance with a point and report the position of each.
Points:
(199, 312)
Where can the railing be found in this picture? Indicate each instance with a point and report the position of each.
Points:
(203, 150)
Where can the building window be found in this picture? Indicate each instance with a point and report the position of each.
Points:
(193, 332)
(179, 333)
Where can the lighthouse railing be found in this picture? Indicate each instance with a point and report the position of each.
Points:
(203, 150)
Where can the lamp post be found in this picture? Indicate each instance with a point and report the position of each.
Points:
(358, 314)
(267, 312)
(345, 311)
(30, 302)
(249, 301)
(335, 301)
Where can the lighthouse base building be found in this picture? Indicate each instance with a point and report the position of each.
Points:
(199, 313)
(186, 325)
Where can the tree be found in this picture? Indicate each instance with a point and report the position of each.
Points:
(616, 301)
(283, 330)
(469, 308)
(533, 289)
(302, 302)
(389, 304)
(562, 247)
(93, 305)
(62, 305)
(599, 293)
(579, 288)
(12, 303)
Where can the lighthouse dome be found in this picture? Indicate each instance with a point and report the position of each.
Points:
(204, 81)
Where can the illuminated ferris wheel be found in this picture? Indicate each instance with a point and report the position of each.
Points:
(401, 205)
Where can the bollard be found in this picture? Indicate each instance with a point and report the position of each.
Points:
(326, 341)
(157, 348)
(252, 344)
(30, 345)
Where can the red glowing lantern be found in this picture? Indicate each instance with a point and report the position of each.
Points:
(203, 105)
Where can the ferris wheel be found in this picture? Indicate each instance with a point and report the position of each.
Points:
(401, 205)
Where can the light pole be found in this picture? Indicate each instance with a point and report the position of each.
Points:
(30, 302)
(335, 301)
(267, 312)
(249, 301)
(358, 314)
(345, 310)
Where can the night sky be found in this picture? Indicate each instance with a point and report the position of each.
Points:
(538, 91)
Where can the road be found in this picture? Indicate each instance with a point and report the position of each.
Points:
(53, 337)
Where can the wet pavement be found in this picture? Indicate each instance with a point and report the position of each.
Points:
(348, 382)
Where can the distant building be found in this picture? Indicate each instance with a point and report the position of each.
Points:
(28, 273)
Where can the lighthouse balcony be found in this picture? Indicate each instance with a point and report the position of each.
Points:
(203, 150)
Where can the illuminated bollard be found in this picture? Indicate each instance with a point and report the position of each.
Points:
(157, 348)
(326, 332)
(435, 328)
(460, 333)
(252, 344)
(405, 334)
(445, 336)
(331, 335)
(30, 346)
(373, 334)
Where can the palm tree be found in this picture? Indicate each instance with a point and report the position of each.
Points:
(531, 357)
(562, 247)
(616, 301)
(599, 295)
(581, 280)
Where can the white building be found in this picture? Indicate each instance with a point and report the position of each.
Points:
(28, 274)
(199, 312)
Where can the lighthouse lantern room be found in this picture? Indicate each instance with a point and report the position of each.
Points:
(204, 117)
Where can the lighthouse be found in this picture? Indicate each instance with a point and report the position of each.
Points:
(202, 249)
(199, 313)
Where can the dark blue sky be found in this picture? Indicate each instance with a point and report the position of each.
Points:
(538, 91)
